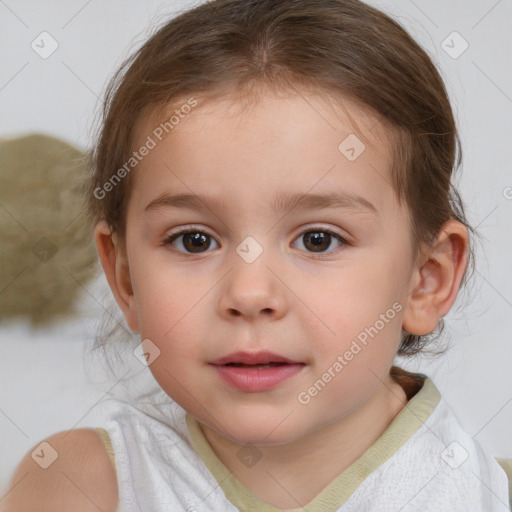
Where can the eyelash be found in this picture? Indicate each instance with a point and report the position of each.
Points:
(315, 229)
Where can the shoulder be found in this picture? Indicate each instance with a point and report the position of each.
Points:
(70, 470)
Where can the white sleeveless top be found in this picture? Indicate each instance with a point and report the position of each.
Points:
(424, 461)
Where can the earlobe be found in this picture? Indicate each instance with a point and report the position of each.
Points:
(436, 282)
(114, 262)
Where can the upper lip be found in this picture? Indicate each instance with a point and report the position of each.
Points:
(253, 358)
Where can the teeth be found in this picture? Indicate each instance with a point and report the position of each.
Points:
(254, 366)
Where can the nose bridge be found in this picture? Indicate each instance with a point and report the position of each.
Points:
(251, 288)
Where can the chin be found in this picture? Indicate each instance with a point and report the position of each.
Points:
(264, 432)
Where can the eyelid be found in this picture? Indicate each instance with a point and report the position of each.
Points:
(317, 227)
(190, 228)
(303, 229)
(314, 227)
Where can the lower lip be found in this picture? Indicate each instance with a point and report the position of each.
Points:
(257, 379)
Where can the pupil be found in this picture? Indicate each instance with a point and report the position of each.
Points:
(318, 239)
(196, 241)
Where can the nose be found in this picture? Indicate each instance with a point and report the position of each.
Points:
(253, 290)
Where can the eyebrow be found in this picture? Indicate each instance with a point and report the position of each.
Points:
(282, 202)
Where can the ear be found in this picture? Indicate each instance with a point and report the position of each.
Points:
(115, 265)
(435, 283)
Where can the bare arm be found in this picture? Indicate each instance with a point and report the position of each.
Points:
(79, 479)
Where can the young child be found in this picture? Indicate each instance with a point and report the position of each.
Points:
(273, 209)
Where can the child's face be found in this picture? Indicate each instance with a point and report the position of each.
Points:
(335, 308)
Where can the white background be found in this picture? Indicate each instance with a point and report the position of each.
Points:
(43, 385)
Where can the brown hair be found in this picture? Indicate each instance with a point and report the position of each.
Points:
(344, 49)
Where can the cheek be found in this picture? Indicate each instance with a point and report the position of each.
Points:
(354, 297)
(172, 315)
(359, 317)
(164, 299)
(177, 381)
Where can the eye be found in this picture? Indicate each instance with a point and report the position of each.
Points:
(319, 240)
(196, 241)
(190, 241)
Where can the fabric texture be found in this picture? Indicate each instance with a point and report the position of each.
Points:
(424, 461)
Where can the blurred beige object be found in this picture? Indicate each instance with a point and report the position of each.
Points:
(47, 252)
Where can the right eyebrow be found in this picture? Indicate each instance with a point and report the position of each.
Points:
(190, 201)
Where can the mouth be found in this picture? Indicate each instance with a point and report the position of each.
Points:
(256, 372)
(253, 360)
(255, 366)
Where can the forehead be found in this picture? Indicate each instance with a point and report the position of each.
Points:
(290, 142)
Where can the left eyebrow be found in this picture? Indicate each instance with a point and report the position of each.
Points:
(285, 201)
(282, 202)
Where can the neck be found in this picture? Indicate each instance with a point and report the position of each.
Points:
(292, 474)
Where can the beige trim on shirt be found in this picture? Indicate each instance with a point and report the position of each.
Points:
(506, 464)
(108, 445)
(406, 423)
